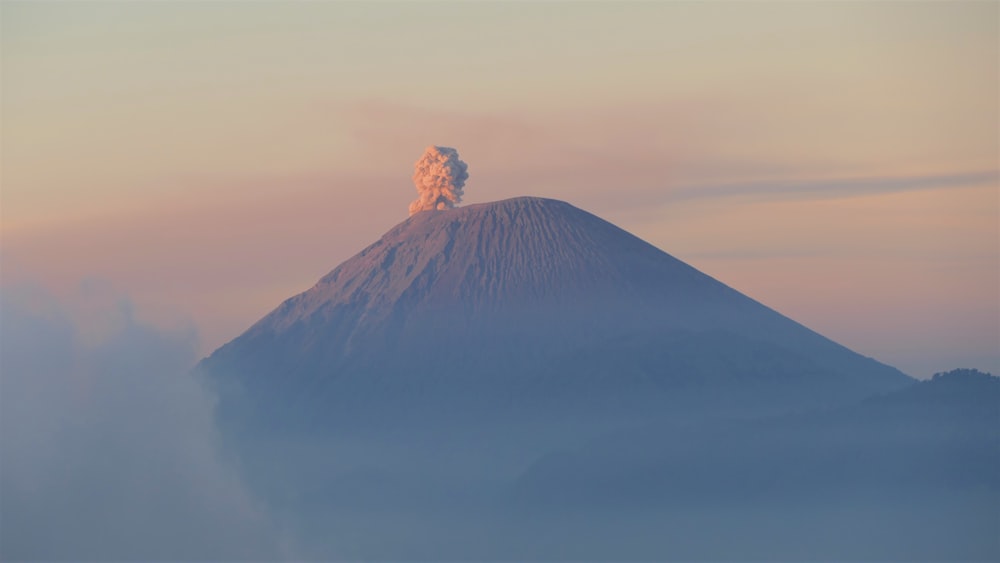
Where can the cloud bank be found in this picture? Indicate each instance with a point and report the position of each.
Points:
(108, 442)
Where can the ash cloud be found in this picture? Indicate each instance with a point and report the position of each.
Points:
(440, 177)
(109, 443)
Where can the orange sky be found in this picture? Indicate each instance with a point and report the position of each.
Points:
(836, 161)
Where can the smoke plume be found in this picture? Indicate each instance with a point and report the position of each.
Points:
(439, 176)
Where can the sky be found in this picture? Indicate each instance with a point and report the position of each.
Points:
(837, 161)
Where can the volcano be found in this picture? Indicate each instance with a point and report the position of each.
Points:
(524, 308)
(469, 386)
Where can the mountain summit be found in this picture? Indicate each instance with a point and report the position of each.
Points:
(527, 305)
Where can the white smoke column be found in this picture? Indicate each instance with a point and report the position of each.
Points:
(439, 176)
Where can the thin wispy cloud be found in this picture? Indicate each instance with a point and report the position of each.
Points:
(833, 188)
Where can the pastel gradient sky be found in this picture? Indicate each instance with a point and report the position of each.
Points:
(837, 161)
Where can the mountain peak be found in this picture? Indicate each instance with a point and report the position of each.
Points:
(512, 204)
(535, 209)
(523, 252)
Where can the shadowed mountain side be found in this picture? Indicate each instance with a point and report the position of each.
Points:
(949, 428)
(912, 475)
(525, 307)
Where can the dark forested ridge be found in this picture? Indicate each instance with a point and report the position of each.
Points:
(912, 475)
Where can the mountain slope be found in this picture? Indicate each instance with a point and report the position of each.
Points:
(530, 305)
